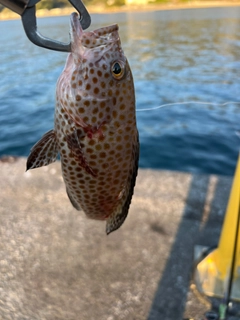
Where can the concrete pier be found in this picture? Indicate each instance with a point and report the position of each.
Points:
(57, 264)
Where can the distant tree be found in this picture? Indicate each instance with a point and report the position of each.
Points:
(50, 4)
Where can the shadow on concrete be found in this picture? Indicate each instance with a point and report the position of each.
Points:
(171, 294)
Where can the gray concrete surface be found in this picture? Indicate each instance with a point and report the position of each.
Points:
(56, 264)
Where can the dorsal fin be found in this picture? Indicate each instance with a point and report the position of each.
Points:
(44, 152)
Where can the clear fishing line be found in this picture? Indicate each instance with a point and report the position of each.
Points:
(189, 102)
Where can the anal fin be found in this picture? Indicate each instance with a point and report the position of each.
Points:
(116, 220)
(44, 152)
(73, 202)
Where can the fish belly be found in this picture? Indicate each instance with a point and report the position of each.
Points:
(98, 169)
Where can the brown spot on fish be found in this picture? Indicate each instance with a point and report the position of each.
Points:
(87, 103)
(103, 85)
(92, 142)
(103, 105)
(81, 110)
(98, 147)
(96, 90)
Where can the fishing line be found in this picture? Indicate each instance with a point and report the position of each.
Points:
(189, 102)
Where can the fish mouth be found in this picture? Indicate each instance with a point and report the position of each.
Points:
(76, 30)
(91, 39)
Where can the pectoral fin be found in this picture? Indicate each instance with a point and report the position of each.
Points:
(44, 152)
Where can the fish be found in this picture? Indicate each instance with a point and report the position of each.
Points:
(95, 130)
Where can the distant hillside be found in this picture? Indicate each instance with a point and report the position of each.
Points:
(47, 5)
(51, 4)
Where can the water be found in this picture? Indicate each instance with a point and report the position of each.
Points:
(175, 56)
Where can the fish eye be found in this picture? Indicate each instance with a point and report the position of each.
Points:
(118, 70)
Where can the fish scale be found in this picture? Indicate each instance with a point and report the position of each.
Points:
(95, 128)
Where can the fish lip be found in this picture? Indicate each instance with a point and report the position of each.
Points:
(76, 30)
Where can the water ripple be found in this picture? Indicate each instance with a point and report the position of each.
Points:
(175, 56)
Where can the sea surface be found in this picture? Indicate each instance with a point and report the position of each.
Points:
(186, 66)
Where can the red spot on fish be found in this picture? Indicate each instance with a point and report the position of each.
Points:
(95, 131)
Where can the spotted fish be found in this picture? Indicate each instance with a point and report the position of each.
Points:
(95, 128)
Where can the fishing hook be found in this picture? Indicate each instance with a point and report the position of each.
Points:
(27, 10)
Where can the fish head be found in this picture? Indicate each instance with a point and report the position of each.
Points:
(93, 45)
(96, 69)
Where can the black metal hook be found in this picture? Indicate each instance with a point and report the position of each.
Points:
(30, 27)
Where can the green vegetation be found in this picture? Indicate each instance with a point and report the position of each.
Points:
(51, 4)
(46, 4)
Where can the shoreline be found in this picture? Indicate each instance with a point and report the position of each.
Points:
(100, 9)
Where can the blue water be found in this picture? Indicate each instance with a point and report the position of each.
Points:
(176, 56)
